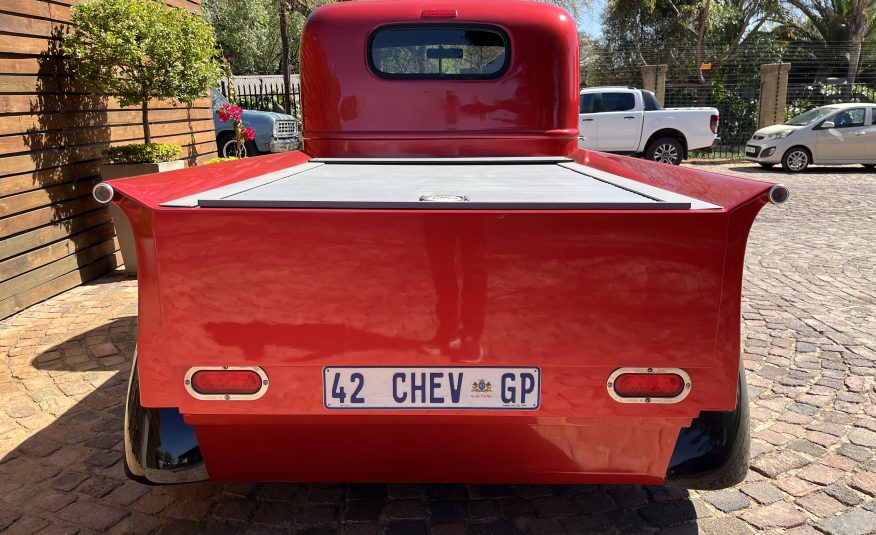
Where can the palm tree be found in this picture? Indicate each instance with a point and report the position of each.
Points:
(847, 21)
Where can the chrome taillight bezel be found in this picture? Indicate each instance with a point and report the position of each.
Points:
(187, 383)
(648, 400)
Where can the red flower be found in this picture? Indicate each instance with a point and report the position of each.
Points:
(230, 59)
(228, 112)
(248, 133)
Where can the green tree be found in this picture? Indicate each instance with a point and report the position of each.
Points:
(249, 31)
(137, 50)
(847, 21)
(713, 31)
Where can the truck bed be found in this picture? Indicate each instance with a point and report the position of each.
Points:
(442, 183)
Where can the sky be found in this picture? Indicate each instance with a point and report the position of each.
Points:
(589, 20)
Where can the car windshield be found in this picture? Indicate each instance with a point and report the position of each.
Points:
(217, 98)
(811, 116)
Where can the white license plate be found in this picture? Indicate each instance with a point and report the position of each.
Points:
(389, 388)
(750, 150)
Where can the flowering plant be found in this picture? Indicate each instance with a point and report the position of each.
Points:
(232, 112)
(228, 112)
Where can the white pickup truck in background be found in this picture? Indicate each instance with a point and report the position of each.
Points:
(631, 121)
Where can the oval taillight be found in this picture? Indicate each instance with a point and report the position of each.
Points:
(648, 385)
(230, 382)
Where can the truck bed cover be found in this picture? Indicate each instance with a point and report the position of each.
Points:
(546, 183)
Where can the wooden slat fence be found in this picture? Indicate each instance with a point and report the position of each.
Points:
(53, 236)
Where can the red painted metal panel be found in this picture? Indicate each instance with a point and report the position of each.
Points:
(414, 449)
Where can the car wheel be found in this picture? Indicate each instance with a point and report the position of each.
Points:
(797, 159)
(767, 165)
(665, 150)
(869, 165)
(228, 147)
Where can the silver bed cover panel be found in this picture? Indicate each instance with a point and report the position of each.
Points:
(539, 183)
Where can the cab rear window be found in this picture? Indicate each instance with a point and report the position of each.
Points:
(439, 52)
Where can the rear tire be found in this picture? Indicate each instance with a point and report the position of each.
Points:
(665, 150)
(796, 159)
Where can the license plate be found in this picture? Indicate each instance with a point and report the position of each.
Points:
(473, 388)
(750, 150)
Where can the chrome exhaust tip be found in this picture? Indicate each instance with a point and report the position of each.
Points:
(103, 193)
(779, 194)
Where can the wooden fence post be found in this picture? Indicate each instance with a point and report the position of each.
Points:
(773, 93)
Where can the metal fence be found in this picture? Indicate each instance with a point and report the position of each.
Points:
(737, 105)
(265, 93)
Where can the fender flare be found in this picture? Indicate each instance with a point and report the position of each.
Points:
(146, 460)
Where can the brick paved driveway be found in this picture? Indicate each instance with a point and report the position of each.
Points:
(810, 349)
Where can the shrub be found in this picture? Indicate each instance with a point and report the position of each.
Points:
(142, 153)
(211, 161)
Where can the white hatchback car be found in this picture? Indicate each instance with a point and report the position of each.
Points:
(834, 134)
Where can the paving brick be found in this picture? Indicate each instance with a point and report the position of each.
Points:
(818, 473)
(405, 509)
(851, 523)
(516, 507)
(234, 510)
(858, 453)
(778, 515)
(727, 500)
(315, 515)
(448, 512)
(843, 494)
(553, 506)
(863, 437)
(820, 504)
(68, 481)
(52, 500)
(668, 513)
(864, 482)
(764, 492)
(92, 515)
(773, 464)
(727, 525)
(7, 517)
(795, 486)
(495, 527)
(26, 525)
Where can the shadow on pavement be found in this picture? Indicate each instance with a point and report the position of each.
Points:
(814, 170)
(68, 476)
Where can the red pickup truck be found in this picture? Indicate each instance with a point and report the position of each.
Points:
(441, 286)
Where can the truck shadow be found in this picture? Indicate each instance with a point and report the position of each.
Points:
(69, 473)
